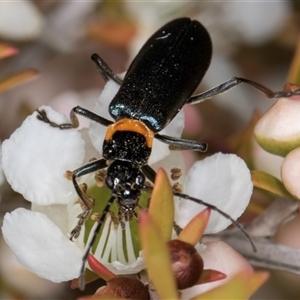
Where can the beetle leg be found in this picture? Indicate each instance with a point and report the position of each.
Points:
(92, 241)
(149, 173)
(181, 144)
(74, 123)
(86, 206)
(87, 202)
(177, 228)
(42, 116)
(232, 83)
(105, 71)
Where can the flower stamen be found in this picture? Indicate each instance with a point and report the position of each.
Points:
(115, 243)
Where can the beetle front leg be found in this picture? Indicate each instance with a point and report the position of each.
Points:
(87, 202)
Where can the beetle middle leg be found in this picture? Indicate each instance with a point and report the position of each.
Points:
(181, 144)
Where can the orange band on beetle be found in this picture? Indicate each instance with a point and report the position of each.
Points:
(130, 125)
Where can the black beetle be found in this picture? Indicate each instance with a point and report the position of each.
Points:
(159, 82)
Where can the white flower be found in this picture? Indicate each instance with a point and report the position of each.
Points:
(35, 159)
(20, 20)
(222, 180)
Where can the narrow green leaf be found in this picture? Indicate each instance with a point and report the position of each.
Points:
(162, 204)
(13, 80)
(157, 258)
(193, 231)
(294, 73)
(269, 183)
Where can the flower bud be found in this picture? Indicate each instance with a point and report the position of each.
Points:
(125, 287)
(290, 174)
(187, 264)
(278, 131)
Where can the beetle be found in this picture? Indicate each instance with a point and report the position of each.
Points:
(159, 82)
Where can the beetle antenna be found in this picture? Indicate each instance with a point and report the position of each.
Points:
(227, 216)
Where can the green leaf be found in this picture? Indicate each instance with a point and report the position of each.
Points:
(157, 258)
(193, 231)
(162, 204)
(269, 183)
(294, 73)
(16, 79)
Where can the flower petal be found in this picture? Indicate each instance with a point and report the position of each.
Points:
(124, 269)
(221, 257)
(36, 156)
(57, 213)
(40, 246)
(97, 131)
(222, 180)
(161, 150)
(67, 100)
(242, 286)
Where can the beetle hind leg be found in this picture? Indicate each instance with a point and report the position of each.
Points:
(105, 71)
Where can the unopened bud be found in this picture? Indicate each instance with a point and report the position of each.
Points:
(187, 264)
(125, 287)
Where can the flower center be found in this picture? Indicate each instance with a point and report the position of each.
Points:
(113, 243)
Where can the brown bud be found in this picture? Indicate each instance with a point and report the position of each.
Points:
(187, 264)
(125, 287)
